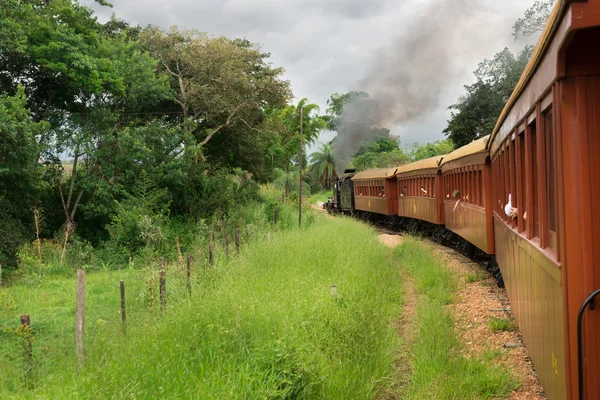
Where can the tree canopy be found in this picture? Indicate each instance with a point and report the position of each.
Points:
(192, 115)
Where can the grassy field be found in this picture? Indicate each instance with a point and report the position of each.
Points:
(439, 368)
(322, 196)
(265, 324)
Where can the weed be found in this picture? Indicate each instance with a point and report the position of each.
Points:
(501, 325)
(471, 278)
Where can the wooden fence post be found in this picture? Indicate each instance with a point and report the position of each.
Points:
(123, 308)
(237, 240)
(211, 254)
(80, 320)
(189, 273)
(27, 350)
(162, 279)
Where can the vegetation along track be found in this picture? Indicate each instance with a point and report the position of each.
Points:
(482, 315)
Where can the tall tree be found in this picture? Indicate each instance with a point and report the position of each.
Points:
(286, 123)
(20, 173)
(475, 114)
(218, 82)
(323, 165)
(534, 19)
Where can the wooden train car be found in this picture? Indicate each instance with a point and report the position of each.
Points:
(546, 217)
(419, 188)
(376, 191)
(467, 194)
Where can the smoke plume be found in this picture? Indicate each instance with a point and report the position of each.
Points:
(406, 80)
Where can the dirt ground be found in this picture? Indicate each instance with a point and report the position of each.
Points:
(476, 304)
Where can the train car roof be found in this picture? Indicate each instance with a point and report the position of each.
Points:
(536, 58)
(384, 173)
(428, 163)
(476, 146)
(348, 175)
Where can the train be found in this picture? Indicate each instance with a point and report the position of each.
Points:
(527, 196)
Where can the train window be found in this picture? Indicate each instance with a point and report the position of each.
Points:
(535, 217)
(514, 196)
(522, 206)
(471, 186)
(550, 184)
(476, 186)
(503, 192)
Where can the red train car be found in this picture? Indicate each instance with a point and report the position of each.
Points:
(376, 191)
(467, 194)
(419, 188)
(546, 174)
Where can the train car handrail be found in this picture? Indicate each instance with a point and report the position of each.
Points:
(589, 301)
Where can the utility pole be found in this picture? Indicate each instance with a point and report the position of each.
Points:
(300, 184)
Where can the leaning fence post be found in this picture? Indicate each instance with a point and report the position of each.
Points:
(163, 284)
(211, 254)
(189, 273)
(123, 308)
(27, 349)
(237, 240)
(80, 320)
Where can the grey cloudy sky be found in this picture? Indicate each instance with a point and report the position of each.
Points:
(328, 46)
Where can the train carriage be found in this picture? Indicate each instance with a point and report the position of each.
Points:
(546, 218)
(376, 191)
(419, 188)
(467, 194)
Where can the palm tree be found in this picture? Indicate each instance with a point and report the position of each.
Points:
(288, 182)
(323, 165)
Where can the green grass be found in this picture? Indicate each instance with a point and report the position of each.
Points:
(262, 325)
(322, 196)
(501, 325)
(439, 371)
(471, 278)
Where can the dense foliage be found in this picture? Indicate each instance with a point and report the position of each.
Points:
(115, 135)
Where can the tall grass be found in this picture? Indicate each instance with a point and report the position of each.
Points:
(262, 325)
(440, 370)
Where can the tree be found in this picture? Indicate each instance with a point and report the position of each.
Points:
(20, 173)
(337, 103)
(475, 114)
(288, 181)
(428, 150)
(534, 20)
(323, 165)
(382, 143)
(285, 123)
(218, 82)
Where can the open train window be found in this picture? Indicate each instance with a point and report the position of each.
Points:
(535, 215)
(522, 206)
(550, 176)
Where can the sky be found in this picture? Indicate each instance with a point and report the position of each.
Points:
(335, 46)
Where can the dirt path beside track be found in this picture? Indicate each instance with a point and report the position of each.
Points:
(478, 301)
